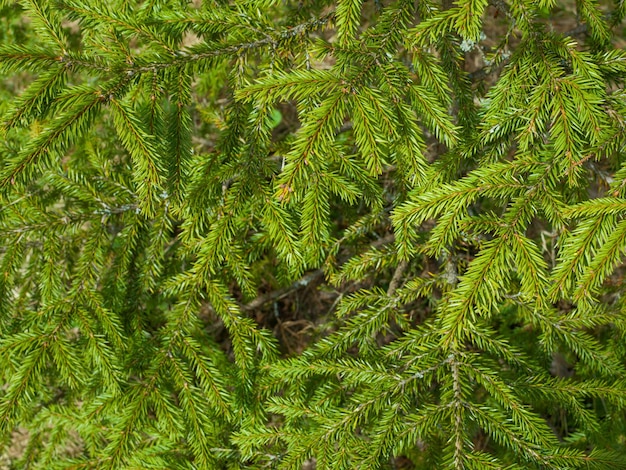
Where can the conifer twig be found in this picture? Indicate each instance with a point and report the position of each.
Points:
(182, 57)
(397, 277)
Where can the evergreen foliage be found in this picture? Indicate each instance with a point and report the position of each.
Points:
(312, 234)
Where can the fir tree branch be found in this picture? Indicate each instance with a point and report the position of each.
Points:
(209, 51)
(397, 278)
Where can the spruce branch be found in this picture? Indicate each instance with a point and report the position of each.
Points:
(163, 160)
(209, 51)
